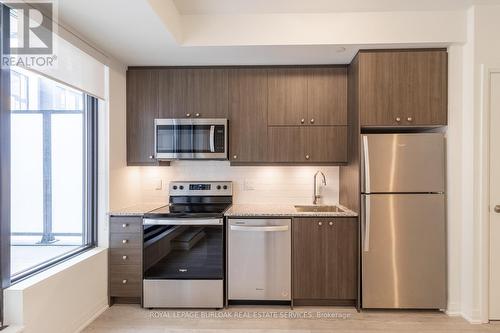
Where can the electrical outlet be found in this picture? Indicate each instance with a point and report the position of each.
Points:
(248, 185)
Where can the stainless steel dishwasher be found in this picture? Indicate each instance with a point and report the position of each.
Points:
(259, 259)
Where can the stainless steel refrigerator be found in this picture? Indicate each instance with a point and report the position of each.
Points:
(403, 232)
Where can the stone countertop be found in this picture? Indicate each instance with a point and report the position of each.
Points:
(282, 211)
(137, 210)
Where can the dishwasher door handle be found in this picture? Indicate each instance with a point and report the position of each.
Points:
(259, 228)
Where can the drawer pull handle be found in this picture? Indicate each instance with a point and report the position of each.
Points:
(320, 223)
(312, 121)
(124, 241)
(188, 115)
(410, 119)
(197, 115)
(330, 223)
(235, 157)
(302, 120)
(124, 225)
(398, 119)
(124, 257)
(124, 281)
(307, 157)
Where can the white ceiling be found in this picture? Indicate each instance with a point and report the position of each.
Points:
(132, 32)
(190, 7)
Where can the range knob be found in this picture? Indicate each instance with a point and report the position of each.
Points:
(225, 187)
(181, 187)
(218, 187)
(175, 187)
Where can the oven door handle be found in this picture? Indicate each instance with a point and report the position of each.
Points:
(212, 139)
(182, 221)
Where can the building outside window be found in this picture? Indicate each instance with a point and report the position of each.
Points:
(49, 171)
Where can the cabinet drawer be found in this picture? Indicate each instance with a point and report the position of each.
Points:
(125, 241)
(125, 224)
(125, 280)
(125, 256)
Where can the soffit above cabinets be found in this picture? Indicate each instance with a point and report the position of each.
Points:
(163, 35)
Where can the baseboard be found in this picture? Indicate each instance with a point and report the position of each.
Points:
(100, 310)
(453, 310)
(474, 319)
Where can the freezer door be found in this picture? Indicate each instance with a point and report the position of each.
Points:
(403, 163)
(404, 251)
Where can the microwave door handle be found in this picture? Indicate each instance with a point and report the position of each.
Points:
(212, 139)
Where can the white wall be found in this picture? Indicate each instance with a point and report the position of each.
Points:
(63, 299)
(467, 167)
(252, 184)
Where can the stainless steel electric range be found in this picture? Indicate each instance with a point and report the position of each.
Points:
(184, 247)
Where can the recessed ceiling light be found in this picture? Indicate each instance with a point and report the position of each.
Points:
(340, 49)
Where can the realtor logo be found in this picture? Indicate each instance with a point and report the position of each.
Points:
(34, 29)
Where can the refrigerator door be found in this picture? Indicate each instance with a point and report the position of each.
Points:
(400, 163)
(404, 251)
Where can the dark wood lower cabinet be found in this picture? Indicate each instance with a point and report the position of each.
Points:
(125, 259)
(325, 261)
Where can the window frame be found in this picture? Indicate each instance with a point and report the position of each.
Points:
(90, 105)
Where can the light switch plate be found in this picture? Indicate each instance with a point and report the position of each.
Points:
(248, 185)
(158, 184)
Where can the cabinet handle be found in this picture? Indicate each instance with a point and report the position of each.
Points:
(124, 257)
(307, 157)
(497, 209)
(235, 157)
(302, 120)
(188, 115)
(320, 223)
(124, 241)
(312, 121)
(330, 223)
(151, 157)
(124, 281)
(410, 119)
(197, 115)
(398, 119)
(124, 225)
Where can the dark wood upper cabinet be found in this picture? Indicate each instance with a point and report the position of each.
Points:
(248, 115)
(326, 144)
(308, 144)
(142, 109)
(307, 96)
(325, 259)
(193, 93)
(287, 91)
(327, 96)
(403, 88)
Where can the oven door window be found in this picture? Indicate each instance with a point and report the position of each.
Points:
(183, 139)
(183, 252)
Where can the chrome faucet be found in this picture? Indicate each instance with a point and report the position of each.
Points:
(316, 194)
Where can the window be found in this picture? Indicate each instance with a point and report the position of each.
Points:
(52, 171)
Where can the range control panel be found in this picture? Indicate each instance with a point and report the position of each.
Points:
(201, 188)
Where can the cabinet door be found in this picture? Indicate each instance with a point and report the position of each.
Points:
(287, 144)
(142, 109)
(248, 115)
(403, 88)
(326, 144)
(341, 262)
(173, 93)
(287, 93)
(309, 258)
(327, 96)
(207, 93)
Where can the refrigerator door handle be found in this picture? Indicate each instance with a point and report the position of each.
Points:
(367, 222)
(366, 160)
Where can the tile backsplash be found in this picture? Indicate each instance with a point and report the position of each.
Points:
(251, 184)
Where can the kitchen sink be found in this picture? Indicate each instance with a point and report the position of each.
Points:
(321, 209)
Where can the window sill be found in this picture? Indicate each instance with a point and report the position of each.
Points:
(54, 270)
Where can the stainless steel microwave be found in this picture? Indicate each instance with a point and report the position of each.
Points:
(191, 139)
